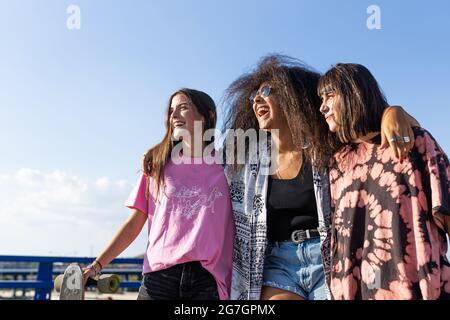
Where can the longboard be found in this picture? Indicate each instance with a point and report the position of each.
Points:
(70, 284)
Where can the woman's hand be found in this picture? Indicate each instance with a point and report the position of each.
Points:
(396, 131)
(127, 233)
(89, 272)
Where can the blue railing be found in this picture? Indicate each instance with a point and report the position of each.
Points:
(43, 284)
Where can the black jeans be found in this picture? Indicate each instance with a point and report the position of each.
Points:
(188, 281)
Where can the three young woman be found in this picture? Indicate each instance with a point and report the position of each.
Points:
(283, 220)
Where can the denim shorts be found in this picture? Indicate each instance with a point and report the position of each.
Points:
(296, 268)
(187, 281)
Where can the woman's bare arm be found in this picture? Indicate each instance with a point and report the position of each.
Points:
(126, 234)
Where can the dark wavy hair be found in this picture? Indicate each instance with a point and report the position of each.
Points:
(296, 87)
(361, 100)
(156, 158)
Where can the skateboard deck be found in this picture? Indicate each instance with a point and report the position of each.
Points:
(70, 284)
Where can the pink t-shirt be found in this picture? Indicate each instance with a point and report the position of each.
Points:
(191, 221)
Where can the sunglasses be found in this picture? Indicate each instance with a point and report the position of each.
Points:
(265, 91)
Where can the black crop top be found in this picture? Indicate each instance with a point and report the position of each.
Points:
(291, 205)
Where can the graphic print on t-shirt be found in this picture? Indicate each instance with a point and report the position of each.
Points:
(189, 201)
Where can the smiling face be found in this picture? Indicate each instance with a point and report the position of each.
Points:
(331, 109)
(183, 114)
(267, 110)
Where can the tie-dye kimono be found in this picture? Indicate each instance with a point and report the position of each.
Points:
(388, 237)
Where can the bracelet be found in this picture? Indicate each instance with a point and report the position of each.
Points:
(91, 266)
(101, 267)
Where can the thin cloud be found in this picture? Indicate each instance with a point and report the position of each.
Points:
(43, 212)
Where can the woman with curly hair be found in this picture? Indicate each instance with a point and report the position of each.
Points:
(283, 218)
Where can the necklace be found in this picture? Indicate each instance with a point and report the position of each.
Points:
(288, 166)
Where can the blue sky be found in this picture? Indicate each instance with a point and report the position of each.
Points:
(78, 108)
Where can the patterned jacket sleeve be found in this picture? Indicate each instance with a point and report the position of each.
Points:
(438, 168)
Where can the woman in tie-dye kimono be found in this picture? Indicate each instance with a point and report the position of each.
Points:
(390, 217)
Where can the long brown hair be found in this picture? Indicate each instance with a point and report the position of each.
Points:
(156, 158)
(296, 86)
(361, 100)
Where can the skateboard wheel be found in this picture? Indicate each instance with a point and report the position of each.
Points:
(108, 283)
(58, 282)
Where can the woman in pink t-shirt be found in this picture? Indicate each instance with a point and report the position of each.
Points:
(184, 195)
